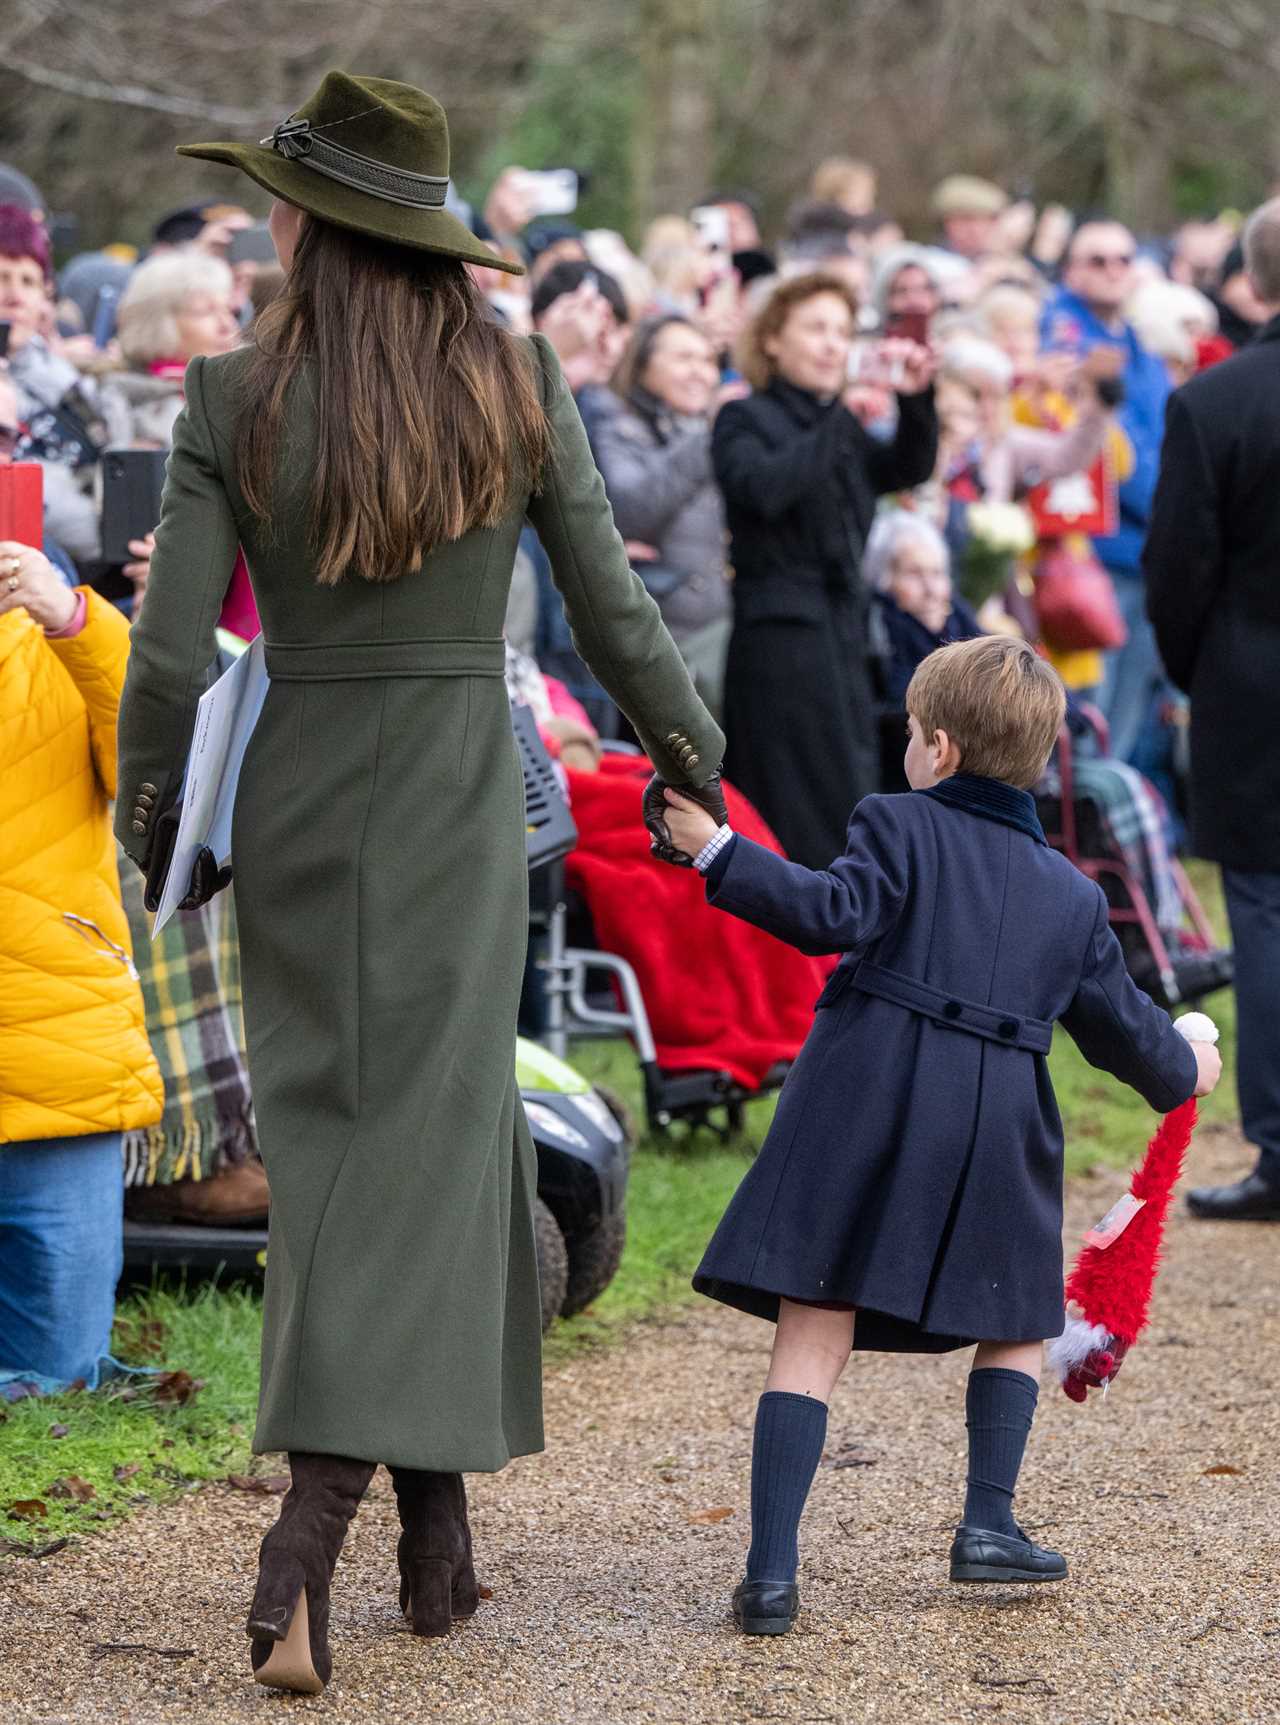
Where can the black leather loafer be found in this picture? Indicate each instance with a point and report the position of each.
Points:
(978, 1555)
(765, 1607)
(1252, 1199)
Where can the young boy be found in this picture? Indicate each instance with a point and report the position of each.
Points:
(912, 1178)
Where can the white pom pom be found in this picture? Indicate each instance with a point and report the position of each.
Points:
(1197, 1027)
(1078, 1340)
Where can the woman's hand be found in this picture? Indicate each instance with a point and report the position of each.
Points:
(139, 570)
(28, 580)
(912, 364)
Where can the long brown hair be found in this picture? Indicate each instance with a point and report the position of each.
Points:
(429, 414)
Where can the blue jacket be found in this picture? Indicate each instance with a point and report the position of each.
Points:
(914, 1166)
(1069, 325)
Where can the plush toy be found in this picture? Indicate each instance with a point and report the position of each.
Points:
(1108, 1292)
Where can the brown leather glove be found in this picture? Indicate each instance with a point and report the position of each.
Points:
(709, 796)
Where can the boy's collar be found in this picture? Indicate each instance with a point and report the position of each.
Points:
(990, 800)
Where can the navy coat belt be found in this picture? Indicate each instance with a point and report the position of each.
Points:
(949, 1010)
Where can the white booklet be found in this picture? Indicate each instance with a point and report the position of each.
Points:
(225, 719)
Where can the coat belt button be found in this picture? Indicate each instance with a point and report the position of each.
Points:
(140, 827)
(1009, 1028)
(147, 790)
(952, 1009)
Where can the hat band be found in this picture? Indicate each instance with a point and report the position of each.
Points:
(299, 141)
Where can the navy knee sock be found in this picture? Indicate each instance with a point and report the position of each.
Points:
(790, 1433)
(999, 1408)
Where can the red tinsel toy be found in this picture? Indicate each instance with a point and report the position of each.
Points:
(1108, 1293)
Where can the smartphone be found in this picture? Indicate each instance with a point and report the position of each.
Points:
(552, 191)
(22, 502)
(5, 329)
(132, 481)
(908, 326)
(712, 223)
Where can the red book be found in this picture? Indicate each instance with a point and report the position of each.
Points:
(22, 503)
(1077, 503)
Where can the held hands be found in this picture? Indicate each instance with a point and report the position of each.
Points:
(681, 822)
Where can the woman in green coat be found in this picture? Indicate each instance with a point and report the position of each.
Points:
(376, 453)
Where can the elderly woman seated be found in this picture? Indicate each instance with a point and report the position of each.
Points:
(908, 569)
(907, 565)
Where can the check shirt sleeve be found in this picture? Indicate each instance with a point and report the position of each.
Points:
(711, 850)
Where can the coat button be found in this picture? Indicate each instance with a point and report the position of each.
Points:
(145, 800)
(693, 760)
(140, 814)
(952, 1009)
(1009, 1028)
(140, 827)
(147, 790)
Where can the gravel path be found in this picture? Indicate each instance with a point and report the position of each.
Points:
(609, 1595)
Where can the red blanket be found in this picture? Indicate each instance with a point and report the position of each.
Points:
(721, 995)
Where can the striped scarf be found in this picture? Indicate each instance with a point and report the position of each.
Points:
(191, 991)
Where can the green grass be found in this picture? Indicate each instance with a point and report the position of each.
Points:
(130, 1448)
(677, 1194)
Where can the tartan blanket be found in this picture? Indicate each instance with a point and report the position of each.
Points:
(1132, 817)
(191, 991)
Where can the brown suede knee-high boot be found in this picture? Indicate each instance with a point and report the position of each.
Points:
(289, 1617)
(437, 1581)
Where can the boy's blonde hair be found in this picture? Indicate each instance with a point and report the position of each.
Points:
(1000, 703)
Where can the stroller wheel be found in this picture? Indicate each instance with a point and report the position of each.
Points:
(553, 1263)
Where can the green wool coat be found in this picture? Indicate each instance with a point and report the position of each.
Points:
(378, 847)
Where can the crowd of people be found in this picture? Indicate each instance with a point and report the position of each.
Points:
(829, 450)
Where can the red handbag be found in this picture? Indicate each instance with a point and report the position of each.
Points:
(1076, 603)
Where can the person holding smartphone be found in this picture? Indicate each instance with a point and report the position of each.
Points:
(801, 475)
(76, 1070)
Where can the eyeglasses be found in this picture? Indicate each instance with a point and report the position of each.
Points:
(9, 435)
(1108, 261)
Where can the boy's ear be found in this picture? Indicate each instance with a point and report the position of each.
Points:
(948, 754)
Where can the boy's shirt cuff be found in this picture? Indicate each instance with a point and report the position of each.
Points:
(713, 848)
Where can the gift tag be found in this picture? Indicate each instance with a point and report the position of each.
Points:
(1106, 1232)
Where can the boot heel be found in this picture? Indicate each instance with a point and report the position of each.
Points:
(281, 1583)
(430, 1610)
(465, 1598)
(287, 1663)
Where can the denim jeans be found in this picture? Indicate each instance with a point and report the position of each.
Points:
(1253, 908)
(61, 1204)
(1132, 676)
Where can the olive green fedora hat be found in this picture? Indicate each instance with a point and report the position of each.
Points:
(367, 154)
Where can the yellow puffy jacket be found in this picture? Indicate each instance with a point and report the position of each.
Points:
(74, 1055)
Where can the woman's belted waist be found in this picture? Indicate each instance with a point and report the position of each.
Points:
(348, 661)
(951, 1010)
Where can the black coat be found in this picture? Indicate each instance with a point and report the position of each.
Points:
(914, 1167)
(800, 480)
(1212, 565)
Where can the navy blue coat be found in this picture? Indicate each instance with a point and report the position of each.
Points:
(914, 1166)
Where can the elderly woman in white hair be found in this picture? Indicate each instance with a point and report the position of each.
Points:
(1009, 459)
(176, 308)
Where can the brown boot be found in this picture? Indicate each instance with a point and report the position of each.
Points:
(236, 1197)
(437, 1580)
(289, 1617)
